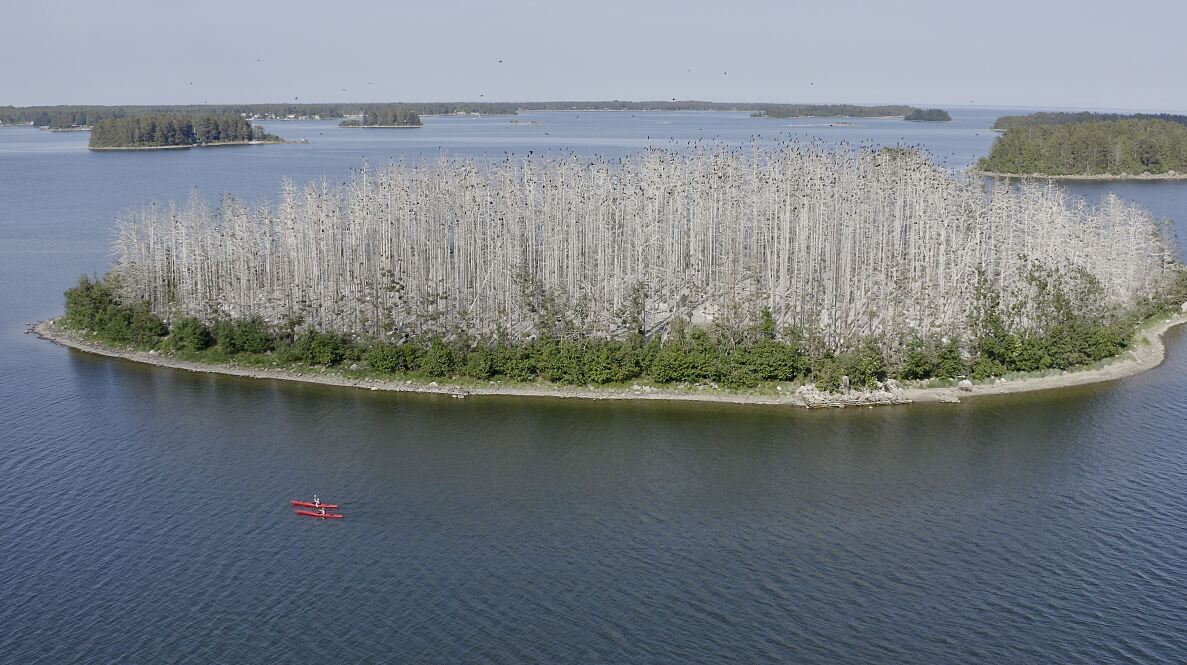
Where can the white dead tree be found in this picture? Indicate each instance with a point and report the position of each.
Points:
(846, 243)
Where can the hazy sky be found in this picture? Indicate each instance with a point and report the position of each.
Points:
(1084, 54)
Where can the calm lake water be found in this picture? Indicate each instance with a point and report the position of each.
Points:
(148, 517)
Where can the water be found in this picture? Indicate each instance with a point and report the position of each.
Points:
(148, 518)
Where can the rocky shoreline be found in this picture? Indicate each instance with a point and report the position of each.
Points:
(1141, 357)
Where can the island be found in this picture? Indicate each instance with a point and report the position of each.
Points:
(830, 111)
(715, 285)
(1128, 148)
(928, 115)
(1063, 118)
(166, 131)
(390, 117)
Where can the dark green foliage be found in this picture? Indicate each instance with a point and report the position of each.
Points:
(1131, 145)
(86, 303)
(386, 117)
(318, 348)
(190, 333)
(250, 335)
(437, 360)
(163, 130)
(92, 306)
(480, 362)
(830, 111)
(928, 115)
(390, 358)
(931, 357)
(1046, 118)
(1067, 325)
(863, 364)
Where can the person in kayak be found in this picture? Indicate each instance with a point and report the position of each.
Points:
(316, 502)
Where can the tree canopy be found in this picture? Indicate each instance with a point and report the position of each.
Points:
(387, 117)
(928, 115)
(164, 130)
(829, 111)
(1065, 118)
(1109, 147)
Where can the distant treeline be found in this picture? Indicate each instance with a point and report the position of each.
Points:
(1045, 118)
(829, 110)
(929, 115)
(66, 117)
(388, 117)
(164, 130)
(1111, 147)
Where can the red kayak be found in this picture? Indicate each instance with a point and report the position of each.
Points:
(310, 504)
(316, 514)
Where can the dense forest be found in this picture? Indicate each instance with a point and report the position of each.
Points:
(829, 110)
(716, 265)
(1045, 118)
(392, 117)
(166, 130)
(1109, 147)
(928, 115)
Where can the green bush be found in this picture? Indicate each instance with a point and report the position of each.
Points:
(384, 357)
(437, 360)
(480, 363)
(318, 348)
(190, 333)
(92, 305)
(250, 335)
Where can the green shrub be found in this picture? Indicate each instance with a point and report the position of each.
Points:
(437, 360)
(480, 363)
(250, 335)
(384, 357)
(190, 333)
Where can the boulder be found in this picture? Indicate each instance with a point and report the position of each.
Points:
(965, 385)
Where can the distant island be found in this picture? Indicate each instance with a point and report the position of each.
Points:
(390, 117)
(1064, 118)
(85, 117)
(830, 111)
(159, 131)
(1133, 147)
(928, 115)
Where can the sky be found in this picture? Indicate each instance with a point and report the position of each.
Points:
(1086, 54)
